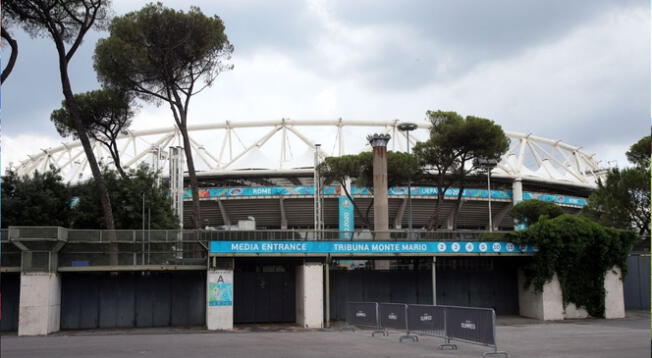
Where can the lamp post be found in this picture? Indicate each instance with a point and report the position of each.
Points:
(407, 128)
(488, 165)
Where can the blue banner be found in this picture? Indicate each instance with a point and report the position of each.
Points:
(346, 217)
(368, 247)
(400, 191)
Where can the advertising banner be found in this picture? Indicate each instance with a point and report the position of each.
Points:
(346, 217)
(400, 191)
(368, 247)
(220, 288)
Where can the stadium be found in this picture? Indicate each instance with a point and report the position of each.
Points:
(258, 186)
(264, 170)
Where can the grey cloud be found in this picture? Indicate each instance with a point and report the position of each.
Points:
(33, 90)
(463, 33)
(252, 25)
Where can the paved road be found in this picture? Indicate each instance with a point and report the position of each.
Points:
(522, 338)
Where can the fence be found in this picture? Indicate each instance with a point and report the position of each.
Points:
(365, 315)
(48, 249)
(465, 324)
(337, 235)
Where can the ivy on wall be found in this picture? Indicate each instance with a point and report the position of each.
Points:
(580, 251)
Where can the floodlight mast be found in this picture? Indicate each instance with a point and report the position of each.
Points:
(407, 128)
(488, 165)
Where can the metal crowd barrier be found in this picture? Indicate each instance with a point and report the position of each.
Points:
(465, 324)
(394, 316)
(364, 315)
(428, 320)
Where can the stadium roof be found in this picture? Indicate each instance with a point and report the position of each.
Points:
(286, 146)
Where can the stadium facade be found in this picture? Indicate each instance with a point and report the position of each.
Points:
(279, 245)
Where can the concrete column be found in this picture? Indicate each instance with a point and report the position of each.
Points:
(310, 294)
(517, 197)
(614, 300)
(40, 304)
(548, 304)
(545, 305)
(219, 294)
(517, 191)
(381, 215)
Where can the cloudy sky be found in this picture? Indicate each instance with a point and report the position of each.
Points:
(578, 71)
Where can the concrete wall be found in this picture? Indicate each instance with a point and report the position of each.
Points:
(40, 304)
(219, 299)
(571, 311)
(310, 295)
(545, 305)
(614, 300)
(548, 305)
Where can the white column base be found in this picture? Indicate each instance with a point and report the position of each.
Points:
(40, 304)
(572, 312)
(547, 305)
(219, 299)
(310, 295)
(614, 300)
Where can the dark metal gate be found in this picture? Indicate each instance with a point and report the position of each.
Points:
(264, 292)
(461, 281)
(133, 299)
(10, 289)
(637, 283)
(405, 286)
(490, 282)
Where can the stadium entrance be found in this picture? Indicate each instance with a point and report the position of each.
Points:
(264, 290)
(490, 282)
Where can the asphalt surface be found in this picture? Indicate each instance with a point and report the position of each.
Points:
(624, 338)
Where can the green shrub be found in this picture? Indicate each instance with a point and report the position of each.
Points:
(580, 251)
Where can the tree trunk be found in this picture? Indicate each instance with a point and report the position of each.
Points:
(441, 191)
(458, 203)
(116, 161)
(12, 58)
(100, 186)
(194, 185)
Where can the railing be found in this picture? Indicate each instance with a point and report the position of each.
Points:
(57, 248)
(362, 235)
(9, 254)
(133, 236)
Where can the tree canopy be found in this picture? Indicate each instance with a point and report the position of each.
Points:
(165, 55)
(126, 194)
(579, 251)
(401, 167)
(42, 199)
(66, 23)
(455, 147)
(105, 114)
(639, 153)
(622, 200)
(530, 211)
(13, 45)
